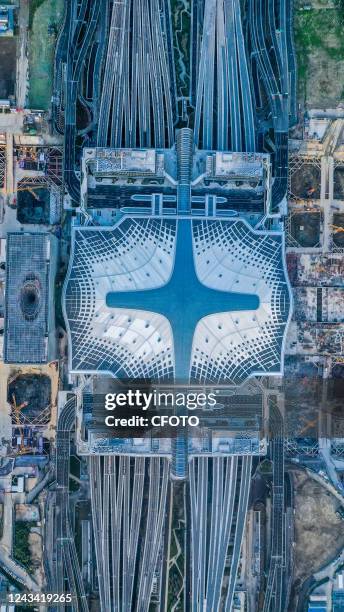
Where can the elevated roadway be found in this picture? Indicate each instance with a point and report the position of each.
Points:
(79, 42)
(67, 563)
(219, 492)
(138, 94)
(114, 196)
(223, 82)
(128, 498)
(274, 592)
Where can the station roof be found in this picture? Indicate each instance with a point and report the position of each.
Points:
(157, 298)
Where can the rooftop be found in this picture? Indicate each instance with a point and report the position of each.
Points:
(165, 298)
(27, 287)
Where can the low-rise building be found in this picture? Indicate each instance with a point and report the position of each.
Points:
(29, 335)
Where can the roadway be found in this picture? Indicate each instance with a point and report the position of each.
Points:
(17, 572)
(60, 58)
(123, 196)
(233, 83)
(66, 563)
(138, 93)
(273, 54)
(79, 42)
(245, 482)
(128, 111)
(219, 492)
(274, 591)
(280, 173)
(72, 51)
(223, 80)
(128, 496)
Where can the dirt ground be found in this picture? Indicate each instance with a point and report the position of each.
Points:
(338, 180)
(319, 533)
(8, 66)
(338, 370)
(36, 552)
(319, 38)
(302, 405)
(33, 389)
(33, 208)
(308, 400)
(305, 178)
(305, 228)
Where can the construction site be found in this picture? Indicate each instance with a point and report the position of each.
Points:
(39, 184)
(323, 270)
(318, 528)
(33, 204)
(303, 402)
(313, 402)
(339, 182)
(338, 231)
(314, 364)
(31, 197)
(304, 228)
(30, 398)
(305, 178)
(315, 163)
(30, 419)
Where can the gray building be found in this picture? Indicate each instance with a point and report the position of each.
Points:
(29, 298)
